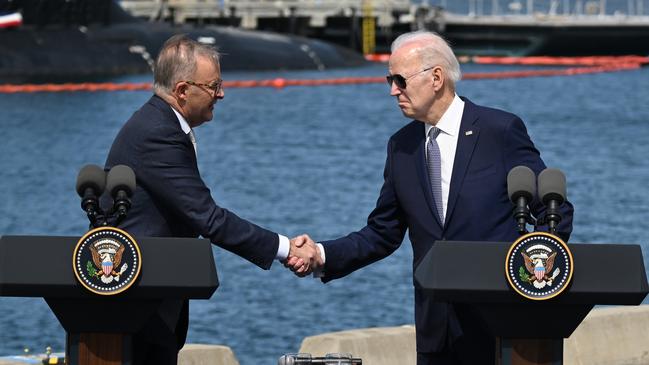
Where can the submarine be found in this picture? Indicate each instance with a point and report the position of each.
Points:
(92, 40)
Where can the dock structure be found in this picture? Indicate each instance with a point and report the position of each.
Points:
(250, 11)
(485, 27)
(358, 24)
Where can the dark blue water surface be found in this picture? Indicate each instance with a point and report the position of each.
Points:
(310, 159)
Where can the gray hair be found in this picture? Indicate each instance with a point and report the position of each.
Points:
(434, 51)
(177, 62)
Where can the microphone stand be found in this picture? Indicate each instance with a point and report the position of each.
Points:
(553, 216)
(121, 207)
(522, 215)
(90, 205)
(99, 218)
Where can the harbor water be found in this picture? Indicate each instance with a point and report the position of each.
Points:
(310, 160)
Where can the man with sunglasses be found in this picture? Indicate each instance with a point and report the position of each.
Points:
(171, 199)
(445, 178)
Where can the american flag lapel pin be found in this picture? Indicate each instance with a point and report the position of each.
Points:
(468, 133)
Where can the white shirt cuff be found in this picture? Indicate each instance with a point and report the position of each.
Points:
(318, 273)
(283, 248)
(322, 252)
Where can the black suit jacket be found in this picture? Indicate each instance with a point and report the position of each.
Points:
(490, 143)
(171, 199)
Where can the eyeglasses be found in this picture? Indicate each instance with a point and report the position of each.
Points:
(214, 87)
(400, 81)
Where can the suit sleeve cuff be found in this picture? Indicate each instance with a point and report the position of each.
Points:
(283, 248)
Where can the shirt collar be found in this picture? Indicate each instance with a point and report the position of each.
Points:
(450, 121)
(183, 123)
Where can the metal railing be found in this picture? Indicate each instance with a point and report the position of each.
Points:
(250, 10)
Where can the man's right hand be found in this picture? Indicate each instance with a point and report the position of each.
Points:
(303, 256)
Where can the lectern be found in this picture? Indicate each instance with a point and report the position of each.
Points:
(99, 328)
(529, 331)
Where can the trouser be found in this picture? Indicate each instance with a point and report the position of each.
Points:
(464, 352)
(156, 343)
(476, 345)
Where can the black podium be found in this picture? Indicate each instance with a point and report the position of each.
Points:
(529, 331)
(99, 327)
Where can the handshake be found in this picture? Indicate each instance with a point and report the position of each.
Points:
(303, 256)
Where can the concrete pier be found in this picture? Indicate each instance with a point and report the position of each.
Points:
(191, 354)
(608, 336)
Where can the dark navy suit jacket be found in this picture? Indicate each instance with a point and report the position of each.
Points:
(171, 199)
(490, 143)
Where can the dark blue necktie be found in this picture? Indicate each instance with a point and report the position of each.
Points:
(434, 164)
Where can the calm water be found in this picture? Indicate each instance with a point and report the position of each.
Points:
(310, 159)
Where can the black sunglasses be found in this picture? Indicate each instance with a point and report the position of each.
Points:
(400, 81)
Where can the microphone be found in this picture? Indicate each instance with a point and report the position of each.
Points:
(91, 183)
(521, 188)
(307, 359)
(120, 183)
(552, 191)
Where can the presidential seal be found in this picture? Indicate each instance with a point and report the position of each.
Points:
(106, 261)
(539, 266)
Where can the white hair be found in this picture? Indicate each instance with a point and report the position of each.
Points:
(434, 50)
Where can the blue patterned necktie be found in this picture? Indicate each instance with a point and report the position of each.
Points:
(434, 164)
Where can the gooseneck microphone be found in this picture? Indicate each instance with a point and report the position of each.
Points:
(552, 191)
(91, 183)
(120, 183)
(521, 188)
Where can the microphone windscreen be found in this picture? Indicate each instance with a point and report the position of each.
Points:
(120, 177)
(286, 360)
(521, 181)
(552, 185)
(91, 176)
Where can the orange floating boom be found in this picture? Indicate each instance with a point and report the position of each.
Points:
(591, 65)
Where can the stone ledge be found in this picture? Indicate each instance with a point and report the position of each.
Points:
(376, 346)
(610, 336)
(196, 354)
(607, 336)
(191, 354)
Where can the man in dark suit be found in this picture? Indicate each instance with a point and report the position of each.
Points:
(445, 178)
(171, 199)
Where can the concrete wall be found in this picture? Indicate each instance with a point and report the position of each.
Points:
(191, 354)
(194, 354)
(608, 336)
(376, 346)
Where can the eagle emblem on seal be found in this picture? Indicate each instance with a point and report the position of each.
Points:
(106, 260)
(539, 266)
(539, 262)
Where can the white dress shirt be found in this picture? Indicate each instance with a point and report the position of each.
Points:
(449, 126)
(284, 243)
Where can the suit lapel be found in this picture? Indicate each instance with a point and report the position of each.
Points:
(422, 172)
(466, 141)
(171, 118)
